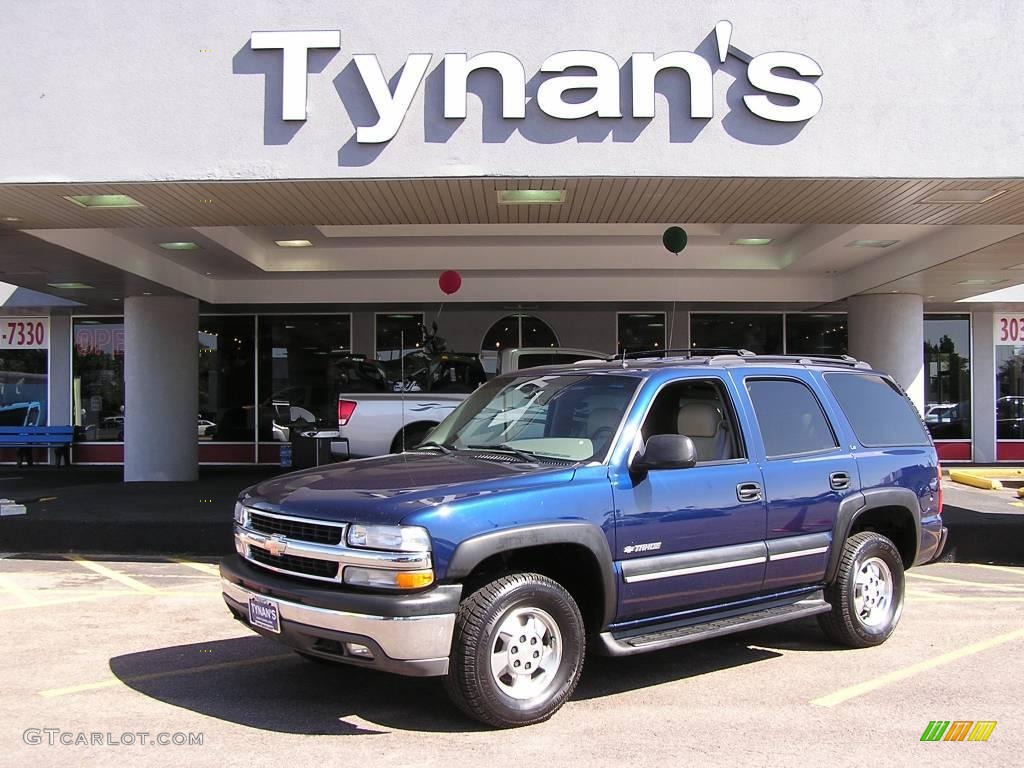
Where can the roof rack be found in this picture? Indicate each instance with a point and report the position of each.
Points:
(846, 360)
(709, 355)
(686, 352)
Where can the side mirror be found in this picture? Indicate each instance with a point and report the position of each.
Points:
(666, 452)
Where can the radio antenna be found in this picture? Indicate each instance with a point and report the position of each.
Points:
(401, 381)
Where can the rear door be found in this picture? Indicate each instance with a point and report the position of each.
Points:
(807, 469)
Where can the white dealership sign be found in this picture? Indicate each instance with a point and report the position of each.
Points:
(24, 333)
(562, 71)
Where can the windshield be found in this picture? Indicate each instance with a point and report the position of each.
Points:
(563, 416)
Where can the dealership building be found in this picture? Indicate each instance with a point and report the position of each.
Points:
(203, 204)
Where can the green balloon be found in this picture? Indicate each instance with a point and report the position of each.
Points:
(674, 239)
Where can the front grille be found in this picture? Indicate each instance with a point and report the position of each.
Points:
(307, 566)
(296, 529)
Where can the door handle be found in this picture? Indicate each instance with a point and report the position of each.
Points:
(747, 492)
(839, 481)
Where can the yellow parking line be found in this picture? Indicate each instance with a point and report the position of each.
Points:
(845, 694)
(12, 587)
(113, 681)
(207, 568)
(121, 578)
(960, 582)
(1002, 568)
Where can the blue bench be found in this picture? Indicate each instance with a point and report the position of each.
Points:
(27, 438)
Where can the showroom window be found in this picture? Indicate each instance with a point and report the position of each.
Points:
(947, 359)
(397, 334)
(760, 333)
(816, 334)
(227, 378)
(23, 387)
(300, 357)
(640, 331)
(514, 331)
(97, 388)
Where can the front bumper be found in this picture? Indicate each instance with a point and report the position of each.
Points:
(407, 634)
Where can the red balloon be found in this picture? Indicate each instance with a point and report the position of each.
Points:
(450, 281)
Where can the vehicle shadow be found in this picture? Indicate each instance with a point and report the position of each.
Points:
(255, 682)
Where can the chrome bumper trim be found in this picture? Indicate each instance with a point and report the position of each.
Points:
(403, 638)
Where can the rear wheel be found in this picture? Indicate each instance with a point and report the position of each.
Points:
(517, 652)
(410, 437)
(867, 594)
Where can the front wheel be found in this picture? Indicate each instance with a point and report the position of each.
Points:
(867, 594)
(517, 651)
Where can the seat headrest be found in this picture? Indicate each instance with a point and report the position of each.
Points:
(698, 420)
(601, 418)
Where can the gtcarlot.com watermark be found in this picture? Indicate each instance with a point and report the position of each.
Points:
(54, 737)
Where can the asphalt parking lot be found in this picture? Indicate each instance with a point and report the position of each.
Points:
(125, 647)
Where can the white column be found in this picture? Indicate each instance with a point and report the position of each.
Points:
(983, 386)
(58, 399)
(887, 331)
(160, 381)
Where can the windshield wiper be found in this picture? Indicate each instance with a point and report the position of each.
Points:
(431, 444)
(518, 452)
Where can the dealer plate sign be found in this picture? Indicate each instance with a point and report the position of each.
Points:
(24, 333)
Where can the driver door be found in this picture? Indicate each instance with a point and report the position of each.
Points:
(687, 537)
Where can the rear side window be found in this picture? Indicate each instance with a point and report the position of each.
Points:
(878, 412)
(790, 417)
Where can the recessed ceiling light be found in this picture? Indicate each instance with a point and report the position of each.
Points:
(871, 243)
(179, 245)
(293, 243)
(147, 293)
(69, 286)
(530, 196)
(104, 201)
(980, 281)
(752, 241)
(961, 196)
(9, 218)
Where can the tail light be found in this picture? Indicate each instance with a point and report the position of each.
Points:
(345, 411)
(938, 488)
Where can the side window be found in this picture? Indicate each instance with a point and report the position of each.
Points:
(878, 412)
(699, 409)
(790, 417)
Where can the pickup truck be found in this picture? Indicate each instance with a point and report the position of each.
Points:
(631, 506)
(386, 422)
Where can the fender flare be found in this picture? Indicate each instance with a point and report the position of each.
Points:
(471, 552)
(856, 504)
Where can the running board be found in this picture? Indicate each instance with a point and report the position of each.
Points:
(653, 638)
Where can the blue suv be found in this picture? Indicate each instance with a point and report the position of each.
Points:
(631, 505)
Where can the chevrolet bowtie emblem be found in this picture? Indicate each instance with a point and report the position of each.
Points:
(276, 545)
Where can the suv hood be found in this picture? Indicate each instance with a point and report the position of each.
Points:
(387, 489)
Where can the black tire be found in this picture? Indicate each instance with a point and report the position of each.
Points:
(470, 682)
(843, 624)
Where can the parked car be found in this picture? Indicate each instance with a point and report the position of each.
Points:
(375, 424)
(1010, 418)
(207, 428)
(630, 506)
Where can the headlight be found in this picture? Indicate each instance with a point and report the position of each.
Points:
(379, 577)
(241, 514)
(394, 538)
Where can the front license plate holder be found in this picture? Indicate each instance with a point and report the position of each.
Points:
(264, 614)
